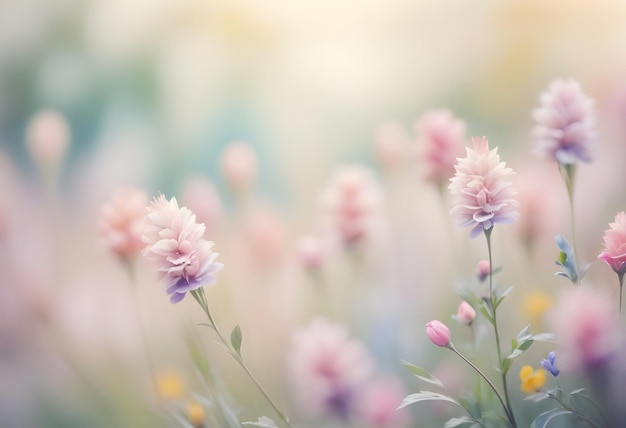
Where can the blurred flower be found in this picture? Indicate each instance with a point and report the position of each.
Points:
(483, 270)
(352, 203)
(565, 123)
(121, 222)
(438, 333)
(239, 166)
(532, 381)
(327, 369)
(392, 145)
(614, 253)
(175, 244)
(310, 252)
(567, 260)
(586, 325)
(169, 386)
(201, 197)
(195, 414)
(483, 196)
(442, 136)
(535, 305)
(47, 140)
(466, 313)
(380, 401)
(550, 364)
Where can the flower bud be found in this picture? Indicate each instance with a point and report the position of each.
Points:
(438, 333)
(195, 414)
(482, 270)
(466, 313)
(310, 252)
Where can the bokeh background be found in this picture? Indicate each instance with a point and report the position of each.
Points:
(154, 91)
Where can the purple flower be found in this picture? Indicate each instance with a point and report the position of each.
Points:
(550, 364)
(565, 123)
(483, 194)
(175, 244)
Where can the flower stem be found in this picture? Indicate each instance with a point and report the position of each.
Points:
(568, 171)
(495, 328)
(620, 276)
(574, 412)
(201, 299)
(509, 415)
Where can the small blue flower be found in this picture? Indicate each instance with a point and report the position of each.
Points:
(566, 259)
(550, 364)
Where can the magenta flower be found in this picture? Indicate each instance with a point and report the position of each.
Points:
(615, 244)
(565, 123)
(175, 244)
(442, 136)
(438, 333)
(483, 194)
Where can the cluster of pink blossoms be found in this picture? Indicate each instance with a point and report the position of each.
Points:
(121, 222)
(175, 244)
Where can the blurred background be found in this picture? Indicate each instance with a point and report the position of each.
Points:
(150, 94)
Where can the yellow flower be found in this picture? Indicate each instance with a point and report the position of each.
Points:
(195, 414)
(169, 386)
(532, 381)
(535, 305)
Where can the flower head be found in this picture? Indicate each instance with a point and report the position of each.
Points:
(438, 333)
(328, 370)
(483, 270)
(121, 222)
(442, 136)
(175, 243)
(483, 194)
(532, 380)
(614, 253)
(466, 313)
(550, 364)
(380, 402)
(565, 123)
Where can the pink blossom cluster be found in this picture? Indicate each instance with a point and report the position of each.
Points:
(121, 223)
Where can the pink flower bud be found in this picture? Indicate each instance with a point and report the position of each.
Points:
(482, 270)
(310, 252)
(466, 313)
(438, 333)
(239, 165)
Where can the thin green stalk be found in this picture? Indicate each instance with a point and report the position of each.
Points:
(568, 172)
(620, 276)
(574, 412)
(495, 328)
(509, 415)
(201, 299)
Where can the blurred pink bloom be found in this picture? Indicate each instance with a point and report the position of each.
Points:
(175, 244)
(483, 196)
(614, 253)
(379, 405)
(565, 123)
(442, 136)
(586, 325)
(483, 270)
(392, 144)
(201, 197)
(48, 139)
(239, 165)
(438, 333)
(310, 252)
(352, 204)
(121, 222)
(328, 370)
(466, 313)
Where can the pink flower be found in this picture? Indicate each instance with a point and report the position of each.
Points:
(48, 138)
(442, 136)
(565, 123)
(310, 252)
(586, 325)
(380, 402)
(351, 204)
(438, 333)
(239, 165)
(483, 270)
(483, 196)
(175, 244)
(121, 222)
(615, 244)
(328, 370)
(466, 313)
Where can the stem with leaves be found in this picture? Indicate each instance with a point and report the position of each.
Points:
(568, 171)
(234, 349)
(493, 305)
(572, 410)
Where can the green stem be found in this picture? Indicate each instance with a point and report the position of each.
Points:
(201, 299)
(495, 328)
(509, 415)
(620, 276)
(574, 412)
(568, 171)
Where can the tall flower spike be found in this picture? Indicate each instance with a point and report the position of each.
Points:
(565, 123)
(175, 243)
(483, 194)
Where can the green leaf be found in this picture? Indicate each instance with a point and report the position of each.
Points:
(486, 311)
(235, 339)
(524, 334)
(426, 396)
(544, 337)
(543, 419)
(500, 297)
(537, 397)
(526, 344)
(422, 374)
(506, 364)
(457, 422)
(263, 422)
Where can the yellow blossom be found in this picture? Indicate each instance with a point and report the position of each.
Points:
(535, 305)
(195, 414)
(532, 381)
(169, 386)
